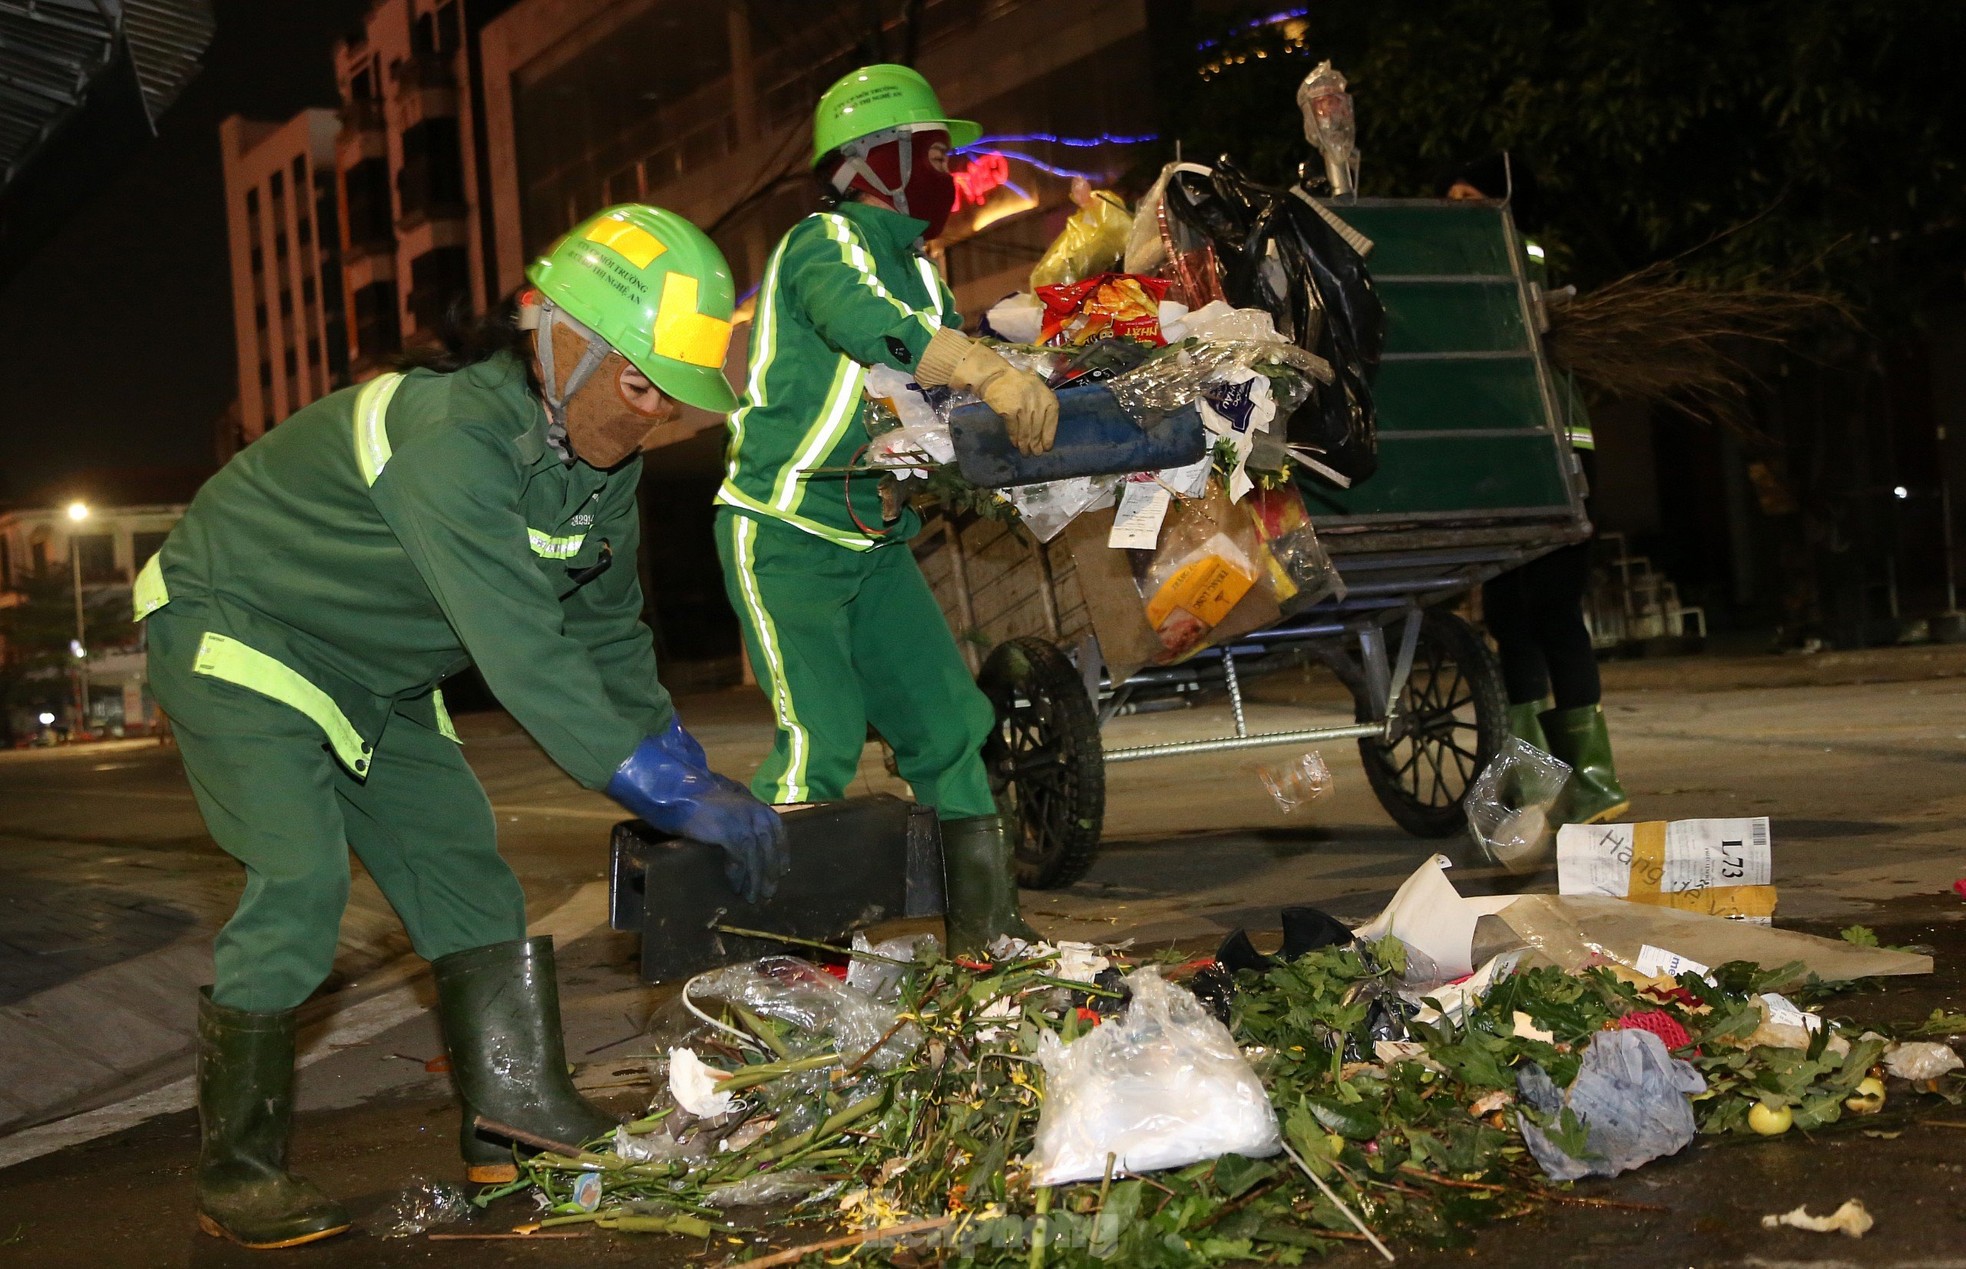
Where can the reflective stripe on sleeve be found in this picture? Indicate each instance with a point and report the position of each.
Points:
(552, 548)
(372, 425)
(150, 593)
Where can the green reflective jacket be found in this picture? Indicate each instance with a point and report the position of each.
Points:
(844, 289)
(387, 536)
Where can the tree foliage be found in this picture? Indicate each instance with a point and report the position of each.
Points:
(1816, 141)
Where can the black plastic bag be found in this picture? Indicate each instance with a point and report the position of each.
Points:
(1275, 252)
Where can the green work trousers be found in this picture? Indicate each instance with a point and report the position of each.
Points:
(276, 799)
(842, 638)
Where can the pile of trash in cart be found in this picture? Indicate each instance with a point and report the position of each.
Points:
(1452, 1062)
(1210, 346)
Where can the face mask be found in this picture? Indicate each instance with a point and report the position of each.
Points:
(903, 173)
(603, 429)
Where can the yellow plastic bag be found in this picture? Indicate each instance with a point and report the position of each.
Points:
(1093, 241)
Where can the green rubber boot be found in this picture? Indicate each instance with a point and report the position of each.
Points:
(981, 882)
(1525, 724)
(1580, 738)
(500, 1010)
(245, 1109)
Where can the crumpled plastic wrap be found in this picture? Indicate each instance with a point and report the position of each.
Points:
(1093, 240)
(1632, 1096)
(1181, 376)
(1300, 567)
(1046, 508)
(761, 1189)
(878, 978)
(422, 1206)
(1921, 1060)
(824, 1013)
(1161, 1086)
(1297, 782)
(1511, 806)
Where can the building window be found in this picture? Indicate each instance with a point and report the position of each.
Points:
(252, 202)
(300, 173)
(292, 363)
(431, 182)
(266, 376)
(259, 261)
(378, 328)
(278, 184)
(97, 554)
(366, 186)
(361, 86)
(259, 316)
(286, 302)
(145, 544)
(447, 29)
(280, 245)
(313, 352)
(305, 230)
(307, 291)
(439, 280)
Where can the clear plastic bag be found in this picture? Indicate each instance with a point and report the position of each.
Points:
(1046, 508)
(1093, 240)
(822, 1013)
(1299, 566)
(1161, 1086)
(1298, 782)
(1207, 560)
(881, 979)
(422, 1206)
(1511, 806)
(1182, 374)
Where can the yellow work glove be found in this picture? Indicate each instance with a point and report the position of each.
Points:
(1028, 408)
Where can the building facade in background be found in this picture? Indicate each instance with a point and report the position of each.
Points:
(282, 223)
(43, 553)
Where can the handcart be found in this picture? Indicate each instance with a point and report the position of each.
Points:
(1475, 477)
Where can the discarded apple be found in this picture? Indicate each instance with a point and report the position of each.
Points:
(1770, 1121)
(1868, 1099)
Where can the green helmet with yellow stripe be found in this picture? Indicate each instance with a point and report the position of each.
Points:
(656, 289)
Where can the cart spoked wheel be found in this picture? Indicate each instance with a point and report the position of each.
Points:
(1045, 761)
(1453, 718)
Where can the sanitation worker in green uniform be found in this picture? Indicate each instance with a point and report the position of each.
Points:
(301, 617)
(840, 625)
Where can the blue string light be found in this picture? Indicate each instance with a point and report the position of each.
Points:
(1275, 19)
(1083, 143)
(1041, 165)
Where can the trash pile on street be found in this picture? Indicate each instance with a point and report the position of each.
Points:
(1062, 1104)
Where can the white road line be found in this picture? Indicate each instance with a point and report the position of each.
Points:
(585, 911)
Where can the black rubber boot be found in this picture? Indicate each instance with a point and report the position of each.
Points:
(1580, 738)
(245, 1110)
(981, 882)
(500, 1010)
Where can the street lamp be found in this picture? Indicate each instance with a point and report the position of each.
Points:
(78, 512)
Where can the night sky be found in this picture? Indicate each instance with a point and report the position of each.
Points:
(116, 334)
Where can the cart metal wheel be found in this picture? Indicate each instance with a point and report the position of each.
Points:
(1045, 761)
(1453, 718)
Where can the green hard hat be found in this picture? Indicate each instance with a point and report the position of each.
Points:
(875, 98)
(657, 289)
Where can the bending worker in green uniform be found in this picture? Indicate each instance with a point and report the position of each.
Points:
(839, 623)
(300, 618)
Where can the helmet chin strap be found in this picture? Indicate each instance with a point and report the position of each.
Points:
(855, 154)
(542, 316)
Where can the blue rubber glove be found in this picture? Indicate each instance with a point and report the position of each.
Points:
(685, 748)
(687, 800)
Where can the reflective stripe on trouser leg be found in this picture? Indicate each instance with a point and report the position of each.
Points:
(791, 592)
(919, 692)
(423, 827)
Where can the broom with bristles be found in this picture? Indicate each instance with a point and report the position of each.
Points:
(1657, 336)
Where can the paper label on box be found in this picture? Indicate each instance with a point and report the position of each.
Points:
(1207, 589)
(1136, 525)
(1657, 962)
(1721, 867)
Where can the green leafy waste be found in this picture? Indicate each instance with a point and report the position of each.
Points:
(1423, 1149)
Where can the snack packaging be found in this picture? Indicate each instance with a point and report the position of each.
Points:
(1117, 305)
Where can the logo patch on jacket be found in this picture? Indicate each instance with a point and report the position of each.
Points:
(899, 351)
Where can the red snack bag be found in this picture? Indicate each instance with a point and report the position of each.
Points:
(1111, 305)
